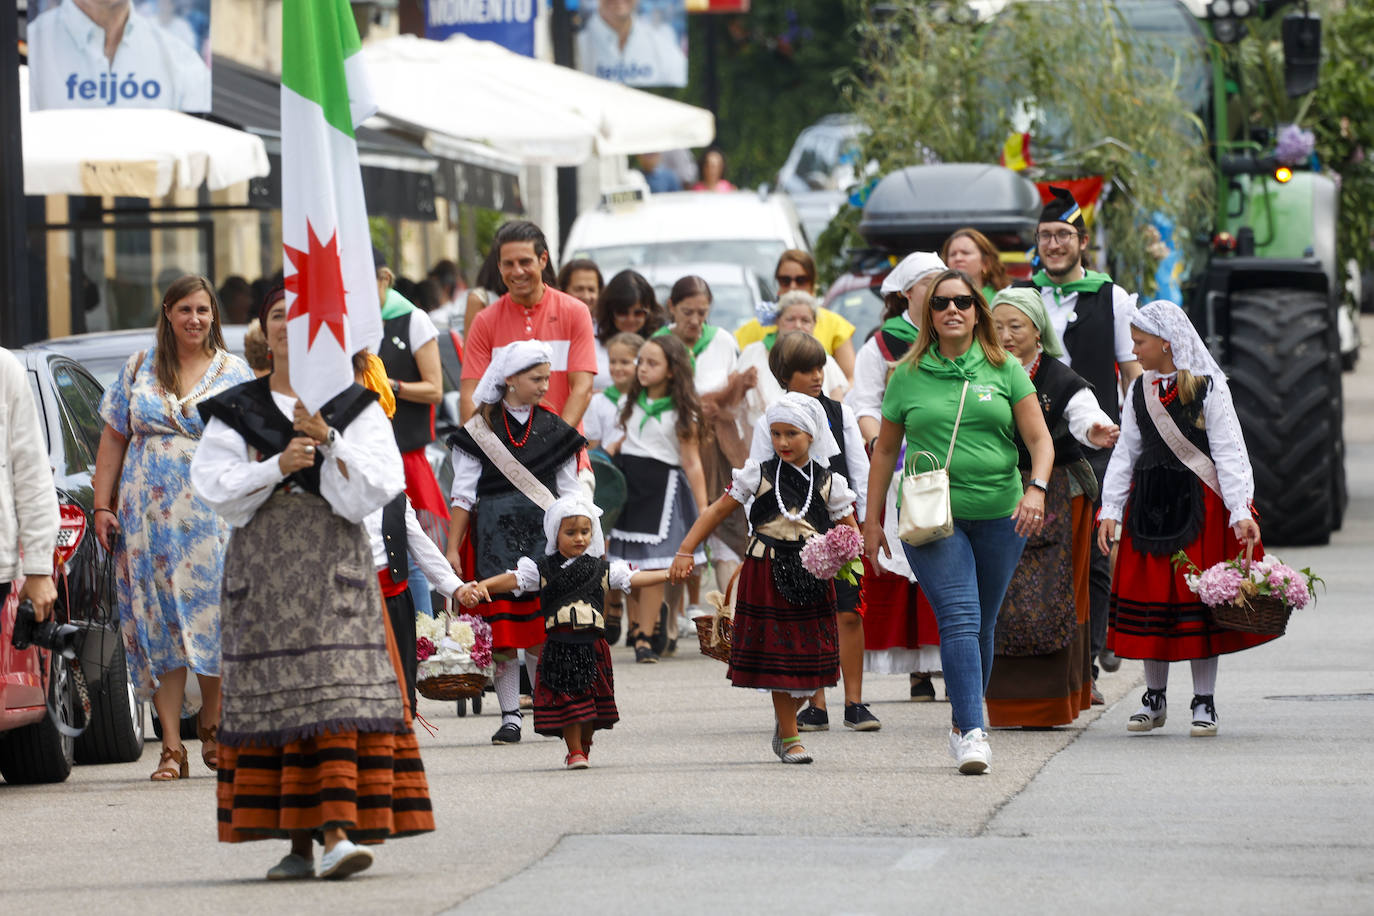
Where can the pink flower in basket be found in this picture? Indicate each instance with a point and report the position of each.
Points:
(481, 632)
(834, 555)
(424, 648)
(1235, 581)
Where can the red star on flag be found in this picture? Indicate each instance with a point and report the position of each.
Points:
(318, 285)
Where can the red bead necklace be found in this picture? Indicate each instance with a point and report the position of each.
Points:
(505, 418)
(1170, 391)
(1035, 366)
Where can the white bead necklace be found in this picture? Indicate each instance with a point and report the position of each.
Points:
(810, 491)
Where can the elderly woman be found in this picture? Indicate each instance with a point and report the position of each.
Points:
(796, 312)
(971, 251)
(958, 395)
(900, 634)
(627, 303)
(1042, 672)
(316, 732)
(796, 272)
(168, 543)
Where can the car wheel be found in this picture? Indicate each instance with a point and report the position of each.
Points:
(116, 732)
(39, 752)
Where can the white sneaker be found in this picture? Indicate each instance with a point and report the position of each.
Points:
(346, 858)
(971, 751)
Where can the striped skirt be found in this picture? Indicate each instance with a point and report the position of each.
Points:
(555, 711)
(778, 645)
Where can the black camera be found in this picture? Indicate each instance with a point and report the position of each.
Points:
(59, 637)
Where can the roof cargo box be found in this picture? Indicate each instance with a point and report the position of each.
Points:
(917, 208)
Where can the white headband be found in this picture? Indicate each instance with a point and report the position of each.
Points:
(806, 414)
(570, 506)
(913, 268)
(512, 359)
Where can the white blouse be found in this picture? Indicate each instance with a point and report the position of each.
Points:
(226, 474)
(602, 380)
(757, 399)
(601, 422)
(745, 483)
(653, 438)
(715, 363)
(527, 575)
(856, 456)
(467, 469)
(422, 550)
(870, 378)
(1224, 440)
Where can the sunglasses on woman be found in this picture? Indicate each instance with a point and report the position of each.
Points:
(792, 280)
(940, 303)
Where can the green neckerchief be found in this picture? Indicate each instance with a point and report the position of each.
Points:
(396, 305)
(653, 409)
(613, 393)
(769, 339)
(901, 328)
(1090, 282)
(708, 333)
(988, 293)
(960, 368)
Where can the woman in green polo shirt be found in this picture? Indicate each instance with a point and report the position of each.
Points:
(965, 575)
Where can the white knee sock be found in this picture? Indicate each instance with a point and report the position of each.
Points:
(1205, 676)
(1157, 674)
(508, 691)
(531, 666)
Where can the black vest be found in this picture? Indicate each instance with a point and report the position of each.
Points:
(839, 464)
(550, 444)
(413, 423)
(1090, 339)
(793, 493)
(396, 538)
(579, 581)
(1055, 385)
(1165, 509)
(249, 410)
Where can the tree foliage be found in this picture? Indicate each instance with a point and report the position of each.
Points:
(1097, 97)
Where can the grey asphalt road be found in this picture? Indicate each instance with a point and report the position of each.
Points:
(686, 811)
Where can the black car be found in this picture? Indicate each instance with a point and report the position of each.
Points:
(68, 401)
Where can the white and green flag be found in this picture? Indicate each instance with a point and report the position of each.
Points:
(331, 285)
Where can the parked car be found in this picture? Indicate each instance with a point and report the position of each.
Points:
(32, 749)
(104, 353)
(736, 292)
(821, 168)
(689, 227)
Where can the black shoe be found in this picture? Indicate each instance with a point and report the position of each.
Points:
(508, 733)
(671, 649)
(644, 655)
(659, 640)
(612, 630)
(812, 719)
(922, 690)
(857, 717)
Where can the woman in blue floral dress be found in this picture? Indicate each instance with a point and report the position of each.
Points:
(168, 544)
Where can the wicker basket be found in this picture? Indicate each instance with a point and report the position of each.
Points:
(452, 686)
(1265, 614)
(716, 631)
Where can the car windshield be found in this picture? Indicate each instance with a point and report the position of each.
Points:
(105, 369)
(759, 254)
(732, 304)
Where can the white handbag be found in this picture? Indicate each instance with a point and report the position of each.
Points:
(924, 512)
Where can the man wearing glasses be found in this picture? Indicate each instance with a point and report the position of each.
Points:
(1092, 316)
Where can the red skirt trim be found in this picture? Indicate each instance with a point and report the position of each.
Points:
(555, 711)
(896, 612)
(1155, 615)
(778, 645)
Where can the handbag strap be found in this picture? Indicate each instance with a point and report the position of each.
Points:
(509, 466)
(955, 435)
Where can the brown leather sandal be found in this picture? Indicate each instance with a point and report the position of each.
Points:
(209, 745)
(171, 765)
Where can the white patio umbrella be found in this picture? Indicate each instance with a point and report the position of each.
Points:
(543, 113)
(131, 152)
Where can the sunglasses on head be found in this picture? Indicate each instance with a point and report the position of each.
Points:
(940, 303)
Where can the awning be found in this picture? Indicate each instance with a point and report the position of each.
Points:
(131, 152)
(541, 113)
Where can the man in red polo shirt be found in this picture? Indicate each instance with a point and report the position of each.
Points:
(533, 310)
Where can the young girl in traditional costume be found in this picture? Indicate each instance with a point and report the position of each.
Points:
(511, 453)
(601, 422)
(665, 487)
(785, 638)
(797, 361)
(1180, 478)
(574, 692)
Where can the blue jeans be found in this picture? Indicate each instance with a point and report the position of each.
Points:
(965, 578)
(419, 589)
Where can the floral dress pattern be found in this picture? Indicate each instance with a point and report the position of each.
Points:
(171, 557)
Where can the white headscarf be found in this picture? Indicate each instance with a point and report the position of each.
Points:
(806, 414)
(509, 360)
(914, 267)
(574, 504)
(1164, 319)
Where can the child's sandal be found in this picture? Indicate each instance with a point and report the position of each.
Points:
(793, 752)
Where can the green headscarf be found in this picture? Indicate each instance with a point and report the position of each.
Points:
(1028, 301)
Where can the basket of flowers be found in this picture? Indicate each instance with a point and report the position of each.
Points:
(715, 631)
(1250, 596)
(454, 655)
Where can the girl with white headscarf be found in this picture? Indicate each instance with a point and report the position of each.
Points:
(785, 638)
(1179, 480)
(494, 501)
(574, 692)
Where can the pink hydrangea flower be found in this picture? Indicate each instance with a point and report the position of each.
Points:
(1219, 585)
(824, 556)
(424, 648)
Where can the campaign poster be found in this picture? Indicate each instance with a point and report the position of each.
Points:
(635, 42)
(509, 23)
(119, 54)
